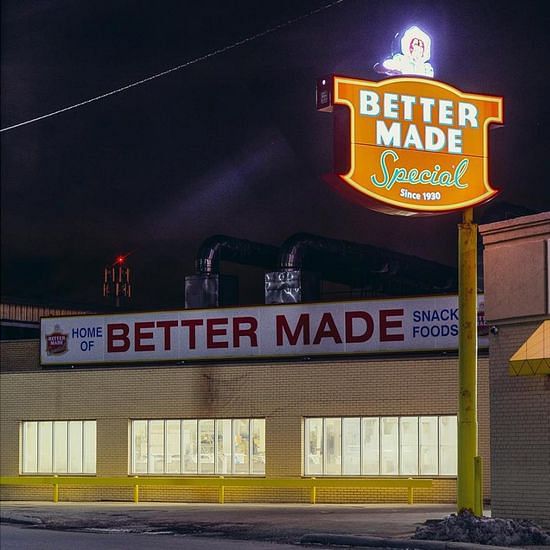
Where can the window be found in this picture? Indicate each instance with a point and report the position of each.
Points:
(447, 445)
(428, 434)
(59, 447)
(387, 445)
(351, 446)
(202, 446)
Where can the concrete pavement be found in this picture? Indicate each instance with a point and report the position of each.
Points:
(374, 525)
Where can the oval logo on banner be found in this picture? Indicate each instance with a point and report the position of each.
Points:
(416, 145)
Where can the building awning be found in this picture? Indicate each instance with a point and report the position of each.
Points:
(533, 357)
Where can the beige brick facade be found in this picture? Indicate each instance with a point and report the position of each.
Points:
(516, 302)
(283, 393)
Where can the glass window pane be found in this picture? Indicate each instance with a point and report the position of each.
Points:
(408, 445)
(30, 447)
(173, 447)
(223, 448)
(189, 446)
(241, 446)
(258, 446)
(351, 438)
(206, 449)
(89, 437)
(156, 447)
(45, 447)
(371, 446)
(60, 440)
(333, 446)
(428, 445)
(389, 443)
(447, 445)
(75, 447)
(313, 428)
(204, 446)
(139, 444)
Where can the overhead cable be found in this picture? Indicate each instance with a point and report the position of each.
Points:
(177, 68)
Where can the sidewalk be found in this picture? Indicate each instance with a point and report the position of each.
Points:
(383, 526)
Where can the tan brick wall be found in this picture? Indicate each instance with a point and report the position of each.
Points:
(283, 393)
(517, 300)
(19, 355)
(520, 438)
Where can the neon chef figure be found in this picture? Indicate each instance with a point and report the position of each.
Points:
(414, 56)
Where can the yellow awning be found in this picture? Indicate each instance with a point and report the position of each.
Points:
(533, 357)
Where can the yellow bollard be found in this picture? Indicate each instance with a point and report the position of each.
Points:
(478, 511)
(221, 492)
(136, 492)
(55, 491)
(410, 493)
(313, 495)
(467, 361)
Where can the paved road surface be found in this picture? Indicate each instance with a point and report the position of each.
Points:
(32, 538)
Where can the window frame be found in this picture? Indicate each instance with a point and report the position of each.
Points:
(53, 448)
(184, 423)
(398, 451)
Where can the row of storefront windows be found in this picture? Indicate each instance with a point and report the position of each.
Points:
(370, 446)
(208, 446)
(387, 445)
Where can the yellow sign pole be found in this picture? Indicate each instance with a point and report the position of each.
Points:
(467, 363)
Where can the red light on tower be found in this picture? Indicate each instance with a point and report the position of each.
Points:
(116, 282)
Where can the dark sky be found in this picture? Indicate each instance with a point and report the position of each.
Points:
(231, 144)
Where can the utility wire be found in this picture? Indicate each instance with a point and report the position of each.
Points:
(178, 67)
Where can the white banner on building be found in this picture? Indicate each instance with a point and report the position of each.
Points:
(355, 327)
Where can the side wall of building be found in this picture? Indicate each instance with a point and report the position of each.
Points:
(283, 393)
(516, 302)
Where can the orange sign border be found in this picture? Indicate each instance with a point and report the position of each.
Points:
(397, 205)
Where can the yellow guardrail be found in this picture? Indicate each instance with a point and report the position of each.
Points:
(220, 482)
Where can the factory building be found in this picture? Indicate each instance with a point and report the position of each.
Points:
(352, 395)
(300, 387)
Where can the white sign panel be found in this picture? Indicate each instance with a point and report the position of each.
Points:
(357, 327)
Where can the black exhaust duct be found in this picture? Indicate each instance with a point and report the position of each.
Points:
(304, 259)
(208, 287)
(221, 247)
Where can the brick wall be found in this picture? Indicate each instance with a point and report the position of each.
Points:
(520, 432)
(516, 265)
(282, 393)
(19, 355)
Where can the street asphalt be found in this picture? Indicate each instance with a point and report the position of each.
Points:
(367, 525)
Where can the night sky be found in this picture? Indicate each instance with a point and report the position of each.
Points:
(231, 144)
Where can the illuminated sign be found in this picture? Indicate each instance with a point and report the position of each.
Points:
(355, 327)
(416, 146)
(413, 58)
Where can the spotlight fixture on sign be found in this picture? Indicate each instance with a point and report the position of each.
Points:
(415, 46)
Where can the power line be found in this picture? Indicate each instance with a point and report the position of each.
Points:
(178, 67)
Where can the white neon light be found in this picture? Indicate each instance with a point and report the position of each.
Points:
(413, 58)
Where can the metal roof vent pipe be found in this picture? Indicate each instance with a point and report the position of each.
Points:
(208, 288)
(305, 259)
(292, 284)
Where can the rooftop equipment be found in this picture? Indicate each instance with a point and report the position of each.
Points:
(208, 287)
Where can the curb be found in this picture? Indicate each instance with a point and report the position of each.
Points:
(22, 520)
(380, 542)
